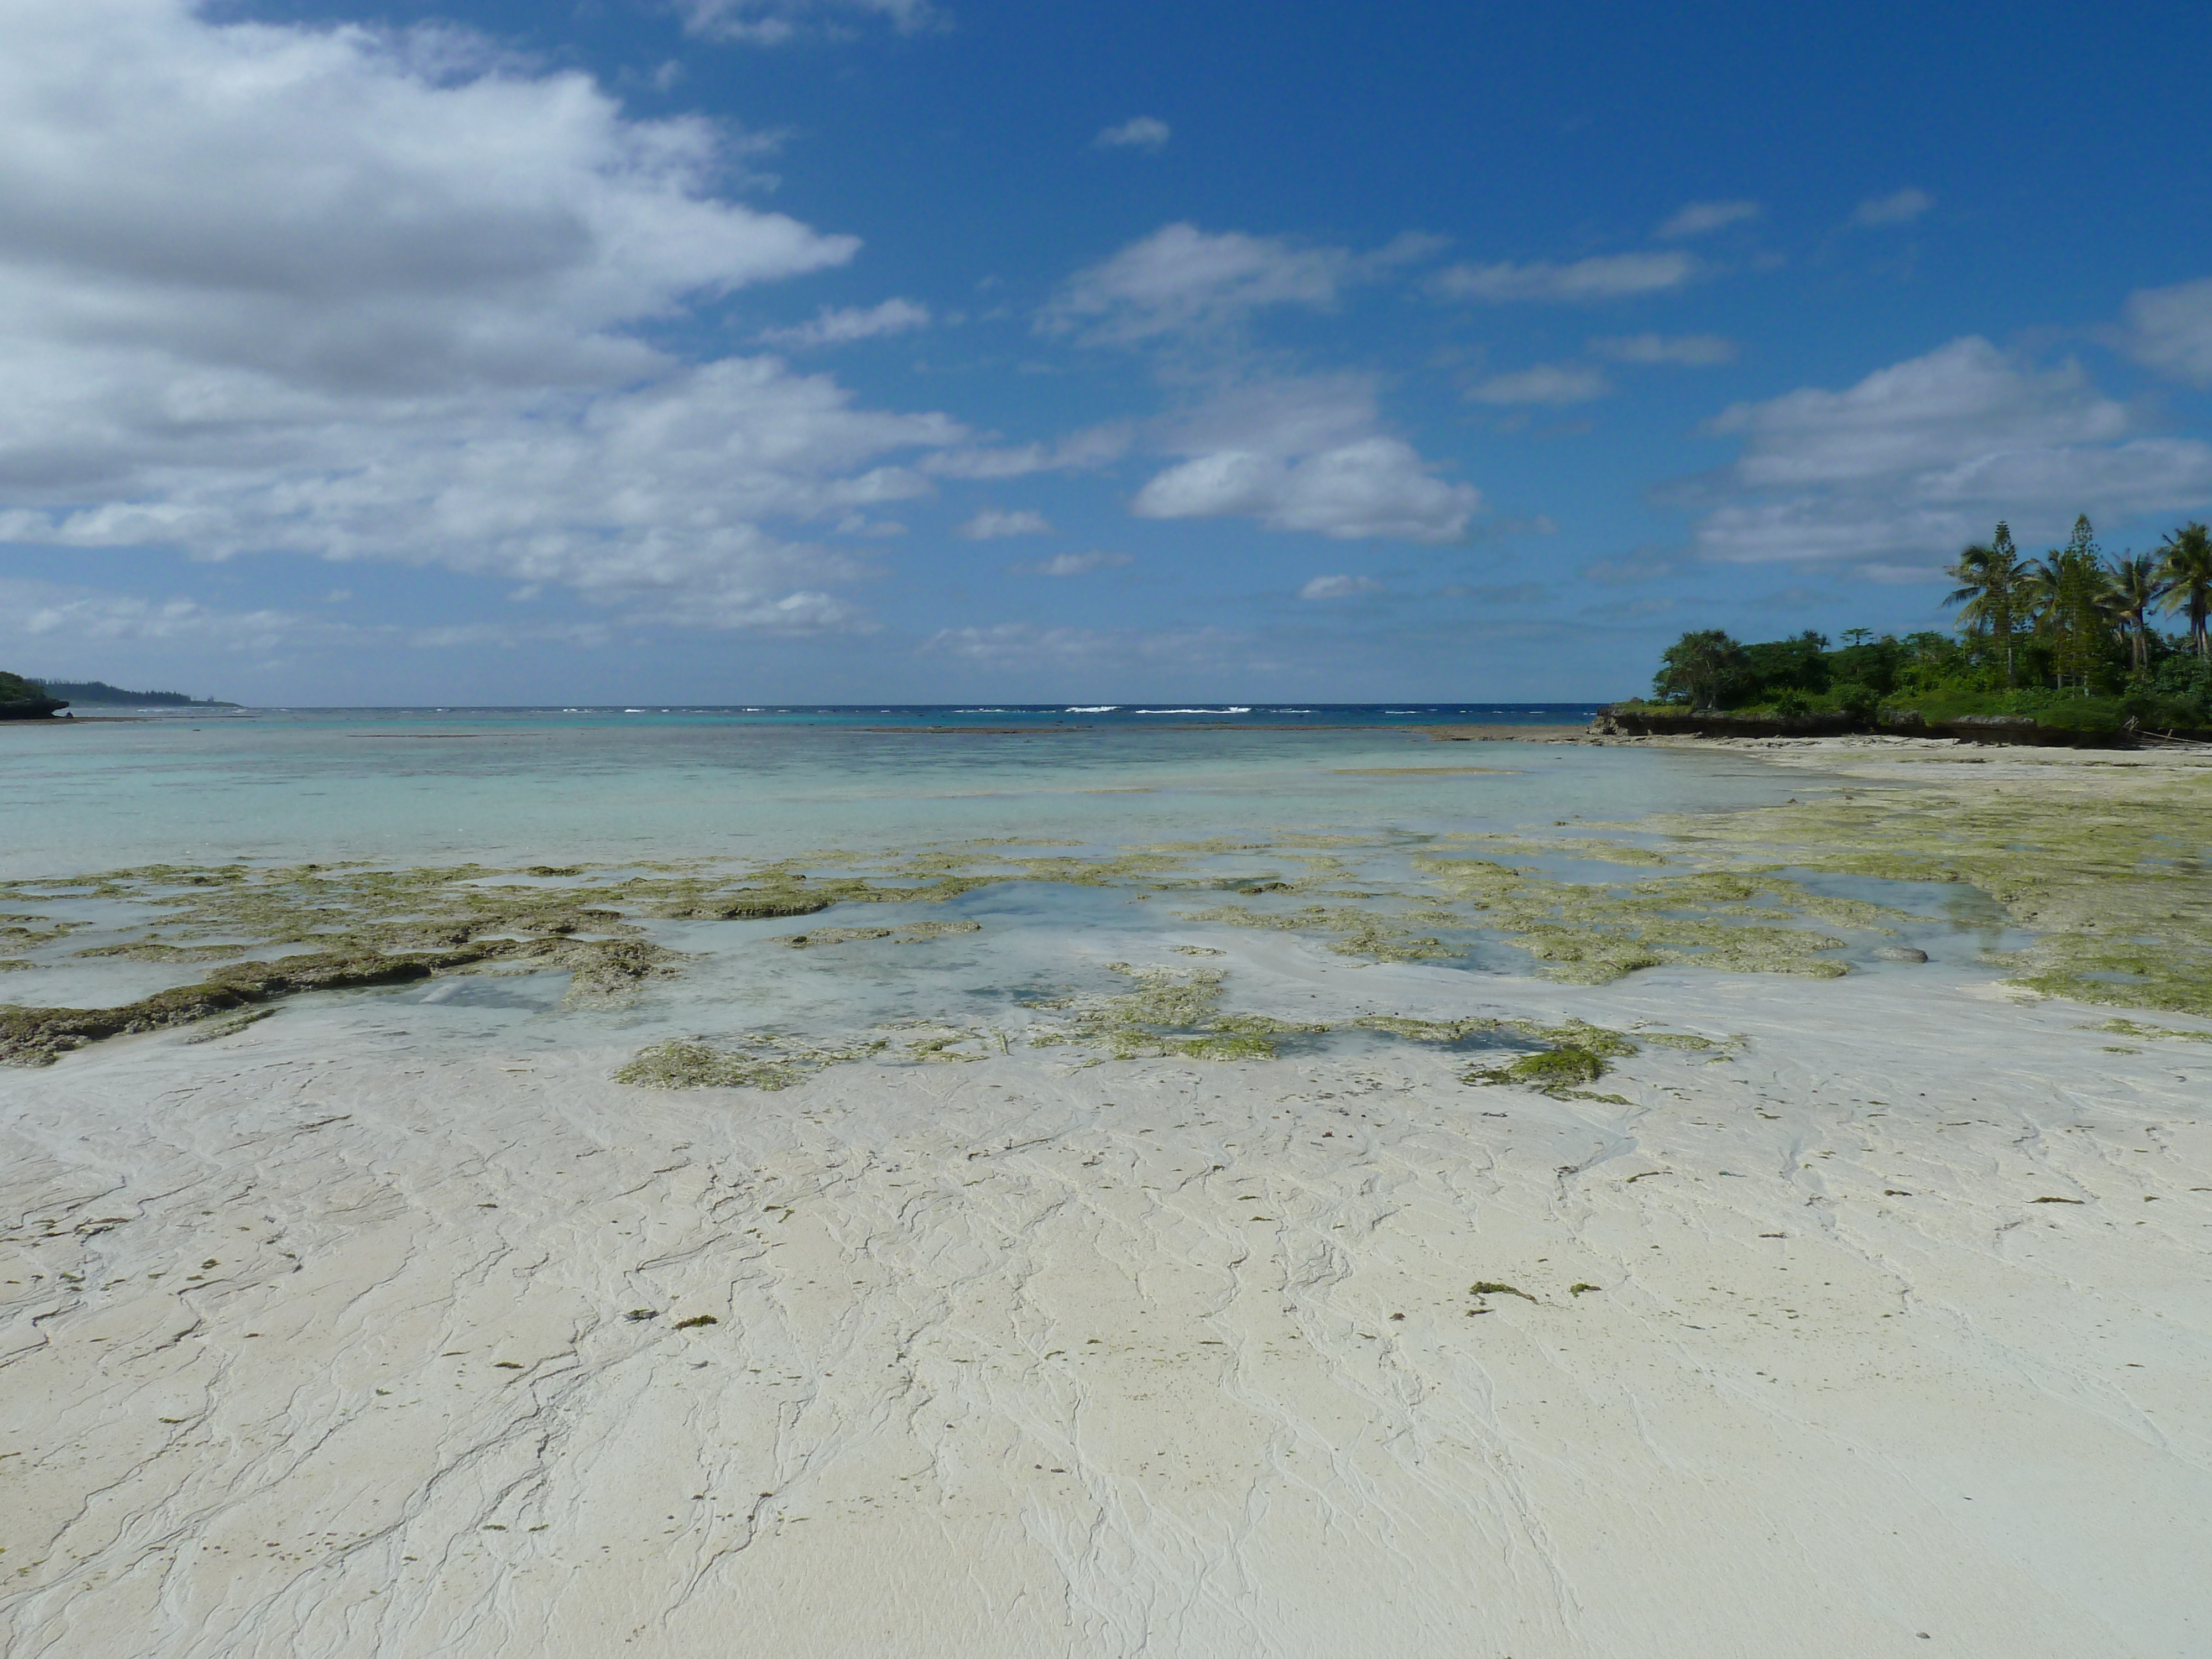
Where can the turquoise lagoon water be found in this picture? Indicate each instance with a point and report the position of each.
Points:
(523, 786)
(607, 789)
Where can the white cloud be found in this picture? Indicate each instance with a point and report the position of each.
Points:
(1698, 218)
(1079, 451)
(990, 523)
(1305, 454)
(772, 22)
(1607, 277)
(362, 295)
(1071, 564)
(1145, 133)
(506, 637)
(843, 326)
(1338, 587)
(1181, 278)
(47, 617)
(1375, 487)
(2170, 329)
(1547, 383)
(1695, 350)
(1961, 402)
(1022, 644)
(1901, 208)
(1920, 457)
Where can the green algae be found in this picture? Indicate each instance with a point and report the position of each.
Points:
(2106, 872)
(1549, 1070)
(215, 1030)
(2106, 866)
(1378, 937)
(765, 1062)
(1167, 1014)
(2129, 1028)
(156, 950)
(912, 933)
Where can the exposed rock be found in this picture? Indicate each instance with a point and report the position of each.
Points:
(1898, 953)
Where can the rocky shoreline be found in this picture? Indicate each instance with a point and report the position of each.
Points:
(1617, 721)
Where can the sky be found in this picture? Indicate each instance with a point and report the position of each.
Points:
(862, 350)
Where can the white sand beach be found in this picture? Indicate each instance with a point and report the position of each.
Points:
(1879, 1325)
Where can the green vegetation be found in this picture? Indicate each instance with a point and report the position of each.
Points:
(102, 692)
(2066, 640)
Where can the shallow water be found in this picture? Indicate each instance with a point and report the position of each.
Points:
(521, 786)
(1270, 847)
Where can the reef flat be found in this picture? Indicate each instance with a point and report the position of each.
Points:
(1583, 1236)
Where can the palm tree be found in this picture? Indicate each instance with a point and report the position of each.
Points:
(1989, 592)
(1704, 667)
(2134, 586)
(2186, 567)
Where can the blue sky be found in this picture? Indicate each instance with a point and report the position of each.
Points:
(866, 350)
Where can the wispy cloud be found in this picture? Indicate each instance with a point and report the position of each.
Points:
(773, 22)
(2170, 329)
(1024, 644)
(1547, 383)
(1694, 350)
(1071, 564)
(1182, 280)
(991, 523)
(1698, 218)
(1146, 133)
(1898, 208)
(1338, 587)
(843, 326)
(1606, 277)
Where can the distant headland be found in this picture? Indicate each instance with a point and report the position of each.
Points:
(23, 698)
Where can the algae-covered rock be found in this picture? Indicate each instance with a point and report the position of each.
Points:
(39, 1036)
(766, 1062)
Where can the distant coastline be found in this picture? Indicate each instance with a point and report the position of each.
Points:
(99, 693)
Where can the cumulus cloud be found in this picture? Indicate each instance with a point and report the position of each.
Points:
(772, 22)
(1375, 487)
(990, 523)
(1694, 350)
(843, 326)
(1606, 277)
(1305, 454)
(1960, 404)
(1698, 218)
(1918, 457)
(1547, 383)
(2170, 329)
(1181, 278)
(1146, 133)
(1338, 587)
(1899, 208)
(1071, 564)
(364, 295)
